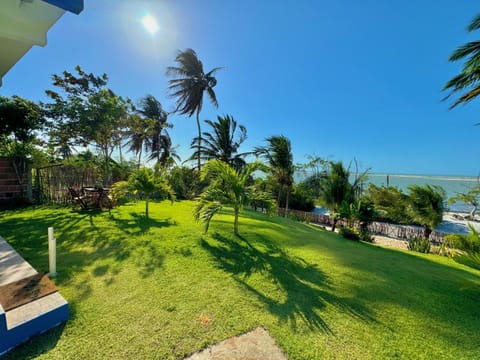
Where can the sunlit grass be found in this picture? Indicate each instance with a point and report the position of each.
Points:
(161, 289)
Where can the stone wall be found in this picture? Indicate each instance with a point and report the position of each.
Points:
(14, 186)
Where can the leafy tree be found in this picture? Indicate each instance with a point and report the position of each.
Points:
(337, 189)
(228, 186)
(312, 183)
(188, 86)
(222, 142)
(470, 197)
(87, 112)
(468, 80)
(185, 182)
(390, 203)
(278, 154)
(19, 118)
(425, 206)
(146, 182)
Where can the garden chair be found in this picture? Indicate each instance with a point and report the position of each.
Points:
(77, 198)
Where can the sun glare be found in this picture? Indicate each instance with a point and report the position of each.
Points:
(150, 24)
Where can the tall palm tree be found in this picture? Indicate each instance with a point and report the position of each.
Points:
(188, 86)
(278, 154)
(425, 206)
(137, 134)
(468, 80)
(222, 142)
(157, 141)
(228, 186)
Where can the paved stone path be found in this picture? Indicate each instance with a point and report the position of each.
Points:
(12, 266)
(254, 345)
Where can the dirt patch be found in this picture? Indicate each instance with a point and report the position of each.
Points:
(23, 291)
(386, 241)
(254, 345)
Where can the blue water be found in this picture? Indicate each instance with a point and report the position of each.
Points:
(451, 184)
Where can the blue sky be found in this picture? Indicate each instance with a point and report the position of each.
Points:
(341, 79)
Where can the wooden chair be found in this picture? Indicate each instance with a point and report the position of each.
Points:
(77, 198)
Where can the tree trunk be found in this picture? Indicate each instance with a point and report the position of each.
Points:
(199, 139)
(334, 224)
(139, 157)
(278, 196)
(235, 223)
(146, 207)
(427, 232)
(286, 201)
(472, 213)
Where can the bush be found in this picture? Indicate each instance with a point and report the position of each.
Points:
(349, 233)
(365, 235)
(420, 245)
(469, 243)
(186, 183)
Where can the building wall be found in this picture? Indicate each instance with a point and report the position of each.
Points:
(12, 188)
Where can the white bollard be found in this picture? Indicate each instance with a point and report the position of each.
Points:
(52, 253)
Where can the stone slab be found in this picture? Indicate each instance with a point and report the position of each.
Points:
(254, 345)
(12, 266)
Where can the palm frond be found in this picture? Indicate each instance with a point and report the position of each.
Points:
(475, 24)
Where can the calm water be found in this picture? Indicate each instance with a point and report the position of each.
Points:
(451, 184)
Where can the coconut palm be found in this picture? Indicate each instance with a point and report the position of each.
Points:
(222, 142)
(337, 190)
(425, 206)
(157, 141)
(228, 186)
(278, 154)
(137, 134)
(468, 80)
(188, 86)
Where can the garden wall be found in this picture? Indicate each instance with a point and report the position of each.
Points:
(15, 181)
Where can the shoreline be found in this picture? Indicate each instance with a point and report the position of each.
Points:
(453, 223)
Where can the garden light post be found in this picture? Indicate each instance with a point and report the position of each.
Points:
(52, 253)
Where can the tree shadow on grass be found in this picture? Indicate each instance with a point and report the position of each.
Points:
(139, 224)
(306, 289)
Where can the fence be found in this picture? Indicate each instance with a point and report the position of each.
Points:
(404, 232)
(51, 183)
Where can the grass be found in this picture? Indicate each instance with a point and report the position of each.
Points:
(160, 289)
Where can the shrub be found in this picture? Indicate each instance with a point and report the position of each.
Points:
(349, 233)
(470, 242)
(420, 245)
(186, 183)
(470, 259)
(365, 235)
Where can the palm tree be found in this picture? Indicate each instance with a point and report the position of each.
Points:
(425, 206)
(228, 186)
(188, 85)
(137, 134)
(337, 191)
(468, 80)
(157, 141)
(147, 183)
(278, 154)
(222, 142)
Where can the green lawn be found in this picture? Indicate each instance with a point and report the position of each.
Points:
(160, 289)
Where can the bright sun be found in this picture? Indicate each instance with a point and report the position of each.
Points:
(150, 24)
